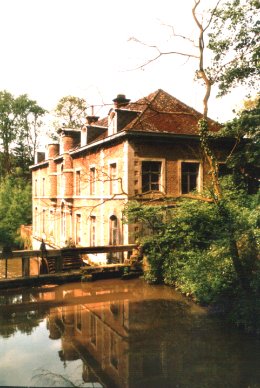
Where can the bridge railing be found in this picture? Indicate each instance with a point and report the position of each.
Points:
(58, 254)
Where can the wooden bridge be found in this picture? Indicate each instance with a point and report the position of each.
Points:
(60, 265)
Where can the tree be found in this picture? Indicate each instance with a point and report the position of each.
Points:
(197, 234)
(234, 39)
(15, 207)
(71, 111)
(244, 158)
(207, 253)
(19, 126)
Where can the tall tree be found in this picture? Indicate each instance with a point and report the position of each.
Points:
(15, 207)
(71, 112)
(20, 120)
(240, 62)
(234, 39)
(244, 158)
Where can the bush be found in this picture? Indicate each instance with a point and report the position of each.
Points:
(206, 249)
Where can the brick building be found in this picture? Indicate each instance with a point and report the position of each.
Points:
(141, 150)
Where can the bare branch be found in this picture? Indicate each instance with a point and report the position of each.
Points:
(212, 15)
(160, 53)
(179, 35)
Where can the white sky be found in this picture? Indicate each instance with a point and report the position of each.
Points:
(54, 48)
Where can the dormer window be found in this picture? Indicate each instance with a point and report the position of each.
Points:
(112, 127)
(120, 102)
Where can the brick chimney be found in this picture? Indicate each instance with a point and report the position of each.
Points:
(69, 139)
(53, 152)
(120, 101)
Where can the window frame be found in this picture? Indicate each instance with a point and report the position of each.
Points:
(198, 178)
(78, 182)
(43, 186)
(92, 230)
(78, 227)
(161, 180)
(113, 230)
(92, 182)
(113, 176)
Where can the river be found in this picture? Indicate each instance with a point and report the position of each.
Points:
(116, 333)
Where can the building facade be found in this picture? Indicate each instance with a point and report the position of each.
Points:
(143, 150)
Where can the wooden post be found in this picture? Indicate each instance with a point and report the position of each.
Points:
(6, 253)
(25, 266)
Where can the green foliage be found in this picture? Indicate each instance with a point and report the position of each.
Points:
(207, 250)
(71, 111)
(15, 208)
(234, 42)
(19, 126)
(244, 160)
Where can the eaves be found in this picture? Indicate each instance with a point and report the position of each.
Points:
(45, 163)
(163, 136)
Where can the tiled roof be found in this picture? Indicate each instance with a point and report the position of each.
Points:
(101, 123)
(161, 112)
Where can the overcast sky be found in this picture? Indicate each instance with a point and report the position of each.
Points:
(54, 48)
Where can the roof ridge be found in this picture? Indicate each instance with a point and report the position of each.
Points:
(149, 102)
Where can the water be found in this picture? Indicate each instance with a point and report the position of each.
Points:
(116, 333)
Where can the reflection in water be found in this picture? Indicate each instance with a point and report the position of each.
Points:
(122, 334)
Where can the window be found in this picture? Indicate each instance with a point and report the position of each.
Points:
(36, 220)
(113, 178)
(43, 220)
(92, 231)
(51, 224)
(43, 187)
(78, 228)
(92, 180)
(189, 177)
(113, 230)
(35, 187)
(62, 181)
(151, 176)
(63, 222)
(77, 183)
